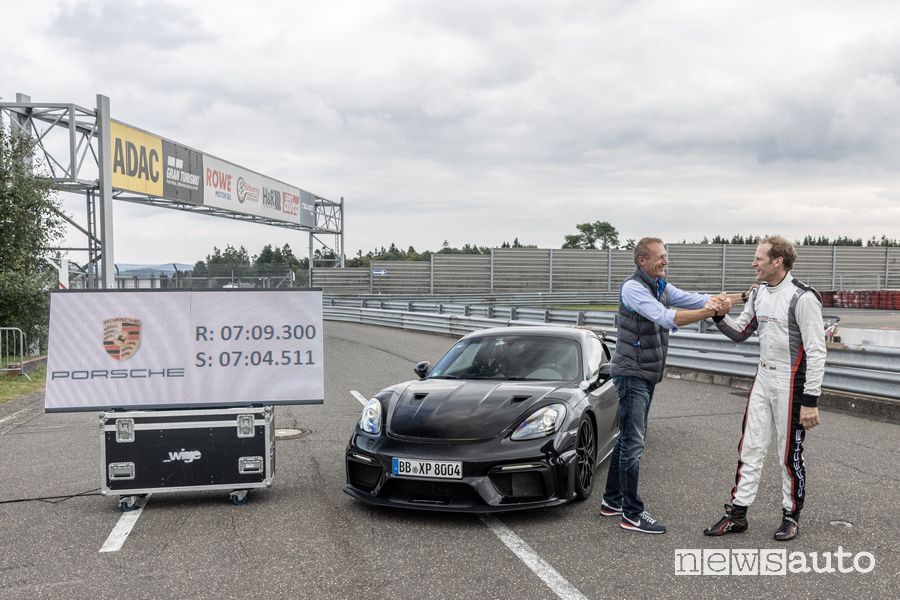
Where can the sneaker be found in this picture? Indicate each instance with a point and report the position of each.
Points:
(788, 530)
(734, 521)
(644, 523)
(608, 510)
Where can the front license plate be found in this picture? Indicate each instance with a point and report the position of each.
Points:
(441, 469)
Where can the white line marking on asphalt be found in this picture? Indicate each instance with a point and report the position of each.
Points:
(120, 532)
(362, 399)
(556, 582)
(12, 415)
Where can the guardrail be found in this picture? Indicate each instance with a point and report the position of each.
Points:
(12, 346)
(510, 299)
(590, 318)
(874, 372)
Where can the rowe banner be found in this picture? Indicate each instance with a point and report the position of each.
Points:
(112, 349)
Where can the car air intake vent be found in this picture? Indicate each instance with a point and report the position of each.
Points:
(520, 398)
(420, 395)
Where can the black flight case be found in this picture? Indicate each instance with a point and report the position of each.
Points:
(186, 450)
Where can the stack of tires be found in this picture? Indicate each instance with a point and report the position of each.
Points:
(878, 299)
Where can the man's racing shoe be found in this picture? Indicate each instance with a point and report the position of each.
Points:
(734, 521)
(644, 523)
(788, 530)
(608, 510)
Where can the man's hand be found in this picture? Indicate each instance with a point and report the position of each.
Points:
(720, 304)
(809, 417)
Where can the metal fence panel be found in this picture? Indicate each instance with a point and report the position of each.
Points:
(860, 268)
(351, 280)
(814, 266)
(696, 267)
(739, 273)
(462, 273)
(521, 270)
(693, 267)
(12, 351)
(401, 277)
(575, 270)
(892, 269)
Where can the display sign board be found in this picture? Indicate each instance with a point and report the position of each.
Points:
(151, 165)
(147, 164)
(111, 349)
(232, 188)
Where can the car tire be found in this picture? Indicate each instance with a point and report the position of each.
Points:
(585, 458)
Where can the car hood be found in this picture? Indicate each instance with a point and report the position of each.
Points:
(464, 410)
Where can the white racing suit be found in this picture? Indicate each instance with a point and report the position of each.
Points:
(788, 319)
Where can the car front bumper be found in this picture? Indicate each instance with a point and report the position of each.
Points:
(497, 475)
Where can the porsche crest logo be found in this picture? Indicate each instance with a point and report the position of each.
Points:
(121, 337)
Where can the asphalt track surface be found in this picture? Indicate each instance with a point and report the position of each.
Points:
(304, 538)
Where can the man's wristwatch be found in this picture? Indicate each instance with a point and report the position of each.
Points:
(744, 296)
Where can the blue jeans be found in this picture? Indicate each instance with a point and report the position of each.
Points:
(635, 395)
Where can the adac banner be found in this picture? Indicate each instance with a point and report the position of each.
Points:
(147, 164)
(235, 189)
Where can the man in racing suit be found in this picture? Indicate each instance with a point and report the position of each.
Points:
(787, 315)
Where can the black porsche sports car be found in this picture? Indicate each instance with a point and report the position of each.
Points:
(509, 418)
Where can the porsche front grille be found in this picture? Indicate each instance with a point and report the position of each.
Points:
(430, 492)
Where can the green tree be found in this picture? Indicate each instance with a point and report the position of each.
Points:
(231, 262)
(591, 233)
(30, 223)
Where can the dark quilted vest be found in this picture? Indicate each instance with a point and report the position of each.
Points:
(641, 344)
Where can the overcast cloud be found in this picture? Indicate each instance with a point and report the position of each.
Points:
(478, 122)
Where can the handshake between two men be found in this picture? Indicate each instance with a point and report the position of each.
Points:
(722, 303)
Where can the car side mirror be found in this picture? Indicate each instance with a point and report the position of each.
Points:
(603, 375)
(605, 372)
(422, 369)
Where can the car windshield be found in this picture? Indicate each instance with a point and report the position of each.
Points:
(511, 358)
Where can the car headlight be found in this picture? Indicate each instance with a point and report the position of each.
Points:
(540, 423)
(370, 420)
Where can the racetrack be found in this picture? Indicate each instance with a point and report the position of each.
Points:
(304, 538)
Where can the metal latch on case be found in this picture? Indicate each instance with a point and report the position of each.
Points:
(119, 471)
(250, 464)
(245, 426)
(124, 430)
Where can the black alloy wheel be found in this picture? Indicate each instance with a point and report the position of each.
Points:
(585, 459)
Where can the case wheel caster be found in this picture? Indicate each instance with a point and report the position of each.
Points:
(239, 497)
(128, 503)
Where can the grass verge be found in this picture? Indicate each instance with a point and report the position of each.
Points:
(17, 386)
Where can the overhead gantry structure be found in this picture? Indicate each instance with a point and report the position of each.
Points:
(90, 154)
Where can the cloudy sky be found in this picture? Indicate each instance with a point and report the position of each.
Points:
(478, 122)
